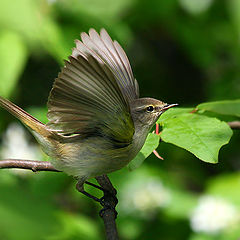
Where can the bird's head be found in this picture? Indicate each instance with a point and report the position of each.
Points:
(146, 111)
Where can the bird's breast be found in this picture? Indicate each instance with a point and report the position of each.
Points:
(94, 156)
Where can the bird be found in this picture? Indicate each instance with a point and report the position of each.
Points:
(97, 121)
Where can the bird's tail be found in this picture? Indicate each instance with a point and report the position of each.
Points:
(27, 119)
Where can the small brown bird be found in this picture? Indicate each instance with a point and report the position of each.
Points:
(97, 122)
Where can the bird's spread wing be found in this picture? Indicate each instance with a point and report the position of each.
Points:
(92, 92)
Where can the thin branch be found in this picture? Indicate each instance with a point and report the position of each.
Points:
(35, 166)
(234, 125)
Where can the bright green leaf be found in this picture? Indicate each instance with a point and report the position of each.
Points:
(227, 107)
(172, 112)
(203, 136)
(151, 144)
(13, 56)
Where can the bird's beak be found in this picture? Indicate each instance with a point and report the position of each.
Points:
(167, 106)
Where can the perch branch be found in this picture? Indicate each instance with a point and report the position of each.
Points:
(35, 166)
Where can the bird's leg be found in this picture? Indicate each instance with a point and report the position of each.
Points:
(109, 199)
(80, 188)
(94, 185)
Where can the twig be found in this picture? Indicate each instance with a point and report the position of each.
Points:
(234, 125)
(35, 166)
(108, 213)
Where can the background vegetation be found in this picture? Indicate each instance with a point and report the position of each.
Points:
(184, 51)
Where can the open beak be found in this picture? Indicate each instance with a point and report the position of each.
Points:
(167, 106)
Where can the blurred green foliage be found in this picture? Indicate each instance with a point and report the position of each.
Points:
(184, 51)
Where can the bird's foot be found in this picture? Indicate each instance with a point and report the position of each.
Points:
(107, 194)
(80, 188)
(108, 201)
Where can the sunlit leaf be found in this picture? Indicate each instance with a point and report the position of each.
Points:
(173, 112)
(227, 107)
(203, 136)
(151, 144)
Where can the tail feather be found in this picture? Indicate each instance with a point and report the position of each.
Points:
(27, 119)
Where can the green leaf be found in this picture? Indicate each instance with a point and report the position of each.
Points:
(172, 112)
(151, 144)
(13, 56)
(203, 136)
(227, 107)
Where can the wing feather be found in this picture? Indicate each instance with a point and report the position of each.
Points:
(92, 92)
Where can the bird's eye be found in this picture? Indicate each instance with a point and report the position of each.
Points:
(150, 108)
